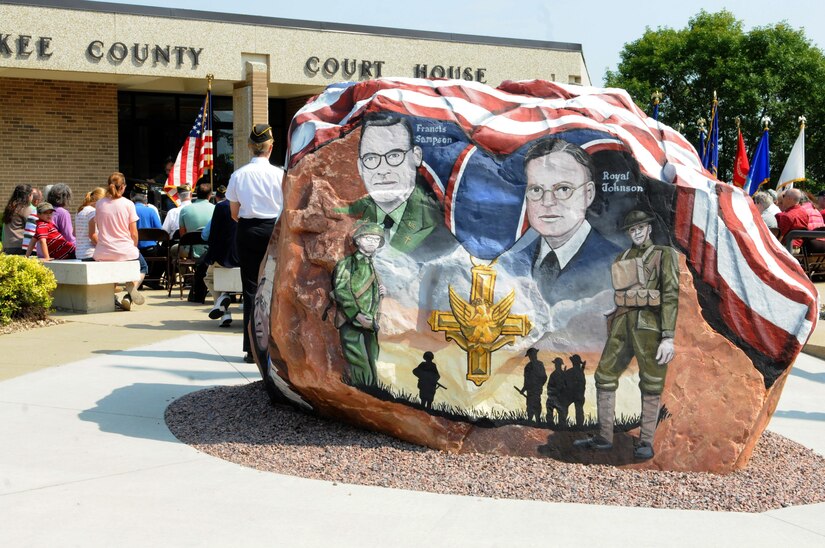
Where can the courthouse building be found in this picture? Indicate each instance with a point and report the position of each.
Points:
(89, 88)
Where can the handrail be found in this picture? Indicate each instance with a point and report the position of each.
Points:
(802, 235)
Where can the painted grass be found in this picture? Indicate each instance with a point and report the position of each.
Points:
(494, 418)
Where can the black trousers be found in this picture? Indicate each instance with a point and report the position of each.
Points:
(252, 240)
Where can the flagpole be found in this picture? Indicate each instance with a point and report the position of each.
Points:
(209, 78)
(802, 121)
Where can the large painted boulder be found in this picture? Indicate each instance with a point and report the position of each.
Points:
(535, 269)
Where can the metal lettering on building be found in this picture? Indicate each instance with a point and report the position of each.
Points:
(156, 54)
(362, 69)
(451, 72)
(25, 45)
(348, 68)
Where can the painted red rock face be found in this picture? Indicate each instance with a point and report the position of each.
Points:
(519, 270)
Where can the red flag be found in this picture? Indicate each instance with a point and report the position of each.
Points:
(741, 166)
(195, 155)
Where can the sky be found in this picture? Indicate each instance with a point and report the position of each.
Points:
(601, 27)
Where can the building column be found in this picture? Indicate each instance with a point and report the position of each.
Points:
(250, 103)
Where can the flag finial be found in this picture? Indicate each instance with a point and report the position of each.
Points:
(714, 96)
(738, 121)
(656, 96)
(702, 124)
(766, 120)
(802, 121)
(209, 78)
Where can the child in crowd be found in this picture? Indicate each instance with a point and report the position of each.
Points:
(85, 239)
(52, 243)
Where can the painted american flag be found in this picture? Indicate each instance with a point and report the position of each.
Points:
(756, 287)
(195, 155)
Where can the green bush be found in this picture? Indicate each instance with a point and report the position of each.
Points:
(25, 288)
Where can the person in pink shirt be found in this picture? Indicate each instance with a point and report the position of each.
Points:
(814, 216)
(820, 203)
(115, 224)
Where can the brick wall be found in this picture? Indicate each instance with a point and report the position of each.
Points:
(54, 131)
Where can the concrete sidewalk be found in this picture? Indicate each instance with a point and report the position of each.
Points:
(87, 460)
(84, 335)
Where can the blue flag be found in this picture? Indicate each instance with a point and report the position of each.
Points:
(710, 156)
(701, 149)
(760, 171)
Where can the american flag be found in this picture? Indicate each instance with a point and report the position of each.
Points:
(195, 155)
(765, 302)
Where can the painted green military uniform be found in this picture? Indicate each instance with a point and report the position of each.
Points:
(646, 289)
(645, 314)
(415, 221)
(356, 290)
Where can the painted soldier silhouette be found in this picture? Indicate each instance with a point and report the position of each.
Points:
(555, 395)
(574, 386)
(427, 374)
(534, 378)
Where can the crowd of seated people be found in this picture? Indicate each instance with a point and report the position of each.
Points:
(105, 228)
(792, 209)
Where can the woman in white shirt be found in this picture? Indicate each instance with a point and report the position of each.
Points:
(85, 238)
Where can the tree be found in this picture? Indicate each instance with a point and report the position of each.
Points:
(771, 71)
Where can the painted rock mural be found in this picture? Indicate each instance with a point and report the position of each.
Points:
(536, 269)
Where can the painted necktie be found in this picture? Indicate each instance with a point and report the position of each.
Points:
(548, 272)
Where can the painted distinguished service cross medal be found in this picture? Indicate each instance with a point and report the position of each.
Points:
(480, 327)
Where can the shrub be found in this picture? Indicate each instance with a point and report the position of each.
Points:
(25, 288)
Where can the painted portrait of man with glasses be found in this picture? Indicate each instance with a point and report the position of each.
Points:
(569, 259)
(397, 199)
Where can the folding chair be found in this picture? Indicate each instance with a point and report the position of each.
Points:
(162, 238)
(185, 266)
(812, 262)
(173, 269)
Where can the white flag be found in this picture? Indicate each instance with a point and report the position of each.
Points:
(795, 166)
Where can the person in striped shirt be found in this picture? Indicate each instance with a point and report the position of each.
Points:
(31, 221)
(52, 243)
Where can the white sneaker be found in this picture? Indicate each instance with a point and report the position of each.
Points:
(137, 296)
(226, 320)
(221, 306)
